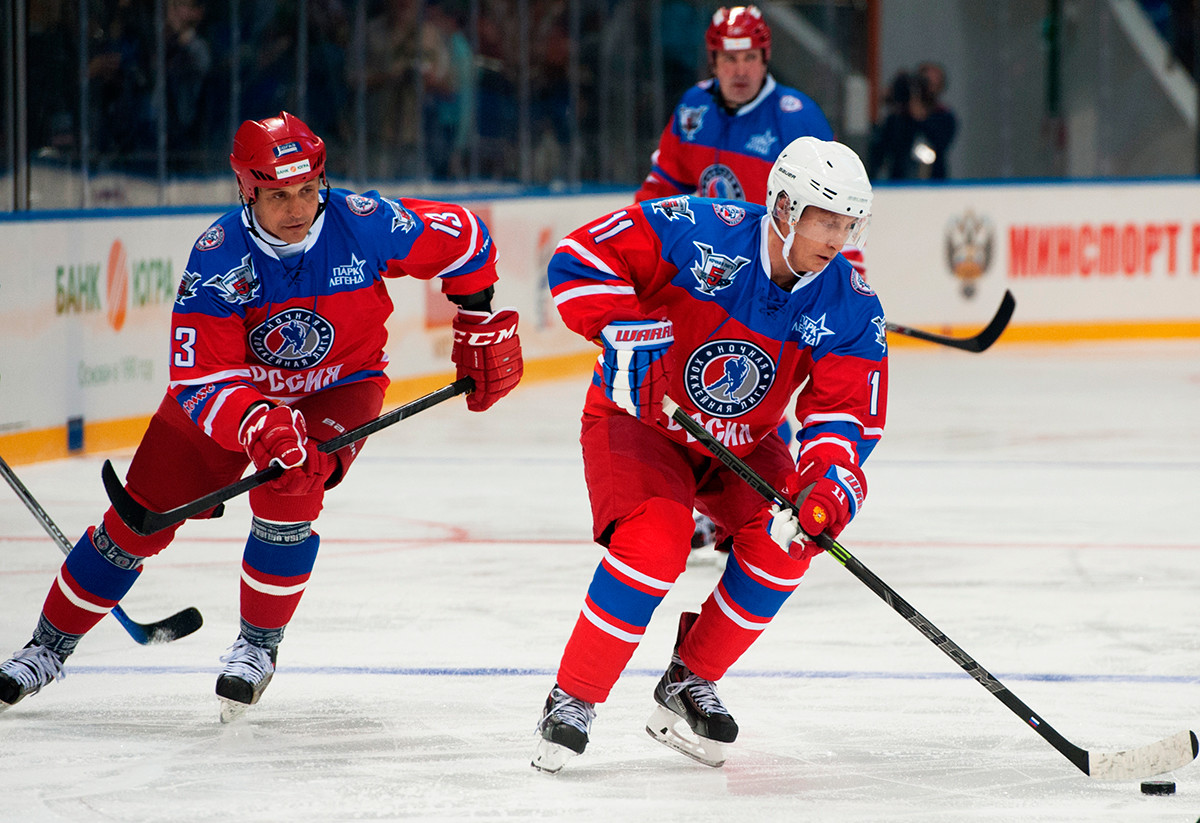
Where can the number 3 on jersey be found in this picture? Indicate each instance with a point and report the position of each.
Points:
(184, 356)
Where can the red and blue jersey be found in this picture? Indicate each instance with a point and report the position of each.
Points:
(743, 345)
(707, 151)
(249, 325)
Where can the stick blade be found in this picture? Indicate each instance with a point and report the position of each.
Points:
(178, 625)
(128, 509)
(991, 334)
(1166, 755)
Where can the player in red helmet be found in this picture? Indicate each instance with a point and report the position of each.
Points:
(277, 346)
(727, 131)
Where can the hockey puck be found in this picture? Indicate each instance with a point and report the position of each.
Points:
(1158, 787)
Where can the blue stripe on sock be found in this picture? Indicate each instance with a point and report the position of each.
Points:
(95, 574)
(621, 600)
(282, 561)
(749, 594)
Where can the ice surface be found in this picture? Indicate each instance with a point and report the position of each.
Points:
(1038, 504)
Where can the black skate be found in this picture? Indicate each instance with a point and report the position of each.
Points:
(26, 672)
(562, 731)
(690, 717)
(248, 671)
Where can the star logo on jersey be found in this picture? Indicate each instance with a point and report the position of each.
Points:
(349, 275)
(812, 331)
(715, 271)
(727, 378)
(401, 217)
(675, 208)
(880, 332)
(236, 286)
(294, 339)
(187, 286)
(761, 143)
(691, 118)
(362, 206)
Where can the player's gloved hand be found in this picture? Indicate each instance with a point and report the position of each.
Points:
(487, 349)
(277, 434)
(827, 494)
(635, 365)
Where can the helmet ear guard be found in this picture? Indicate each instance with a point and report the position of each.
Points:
(276, 152)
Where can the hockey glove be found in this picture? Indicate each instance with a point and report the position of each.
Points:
(635, 365)
(487, 349)
(827, 494)
(277, 434)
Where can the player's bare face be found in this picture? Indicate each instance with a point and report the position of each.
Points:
(288, 213)
(740, 74)
(820, 235)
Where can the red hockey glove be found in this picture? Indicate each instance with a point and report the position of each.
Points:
(487, 348)
(635, 366)
(277, 434)
(835, 492)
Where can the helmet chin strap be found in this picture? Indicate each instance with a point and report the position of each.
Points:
(787, 244)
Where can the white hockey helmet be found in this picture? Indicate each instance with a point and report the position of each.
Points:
(825, 174)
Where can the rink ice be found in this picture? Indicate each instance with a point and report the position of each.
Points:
(1037, 504)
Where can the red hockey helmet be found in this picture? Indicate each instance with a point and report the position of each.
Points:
(275, 152)
(738, 29)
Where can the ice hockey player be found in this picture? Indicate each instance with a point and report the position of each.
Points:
(727, 130)
(277, 344)
(726, 307)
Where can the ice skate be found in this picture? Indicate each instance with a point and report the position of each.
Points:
(26, 672)
(690, 717)
(248, 671)
(562, 731)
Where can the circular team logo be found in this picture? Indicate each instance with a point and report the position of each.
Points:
(859, 283)
(719, 181)
(727, 378)
(211, 239)
(362, 206)
(790, 102)
(293, 339)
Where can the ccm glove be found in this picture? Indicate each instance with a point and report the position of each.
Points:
(635, 365)
(828, 495)
(487, 348)
(277, 434)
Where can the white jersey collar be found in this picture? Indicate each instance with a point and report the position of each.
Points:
(767, 89)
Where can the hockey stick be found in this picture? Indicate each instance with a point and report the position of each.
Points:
(979, 342)
(1166, 755)
(171, 628)
(144, 521)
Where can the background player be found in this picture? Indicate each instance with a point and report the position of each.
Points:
(673, 290)
(277, 345)
(727, 131)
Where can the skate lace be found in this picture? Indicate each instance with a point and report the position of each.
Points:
(567, 709)
(248, 662)
(703, 693)
(34, 667)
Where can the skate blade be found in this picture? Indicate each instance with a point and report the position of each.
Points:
(673, 732)
(231, 710)
(551, 757)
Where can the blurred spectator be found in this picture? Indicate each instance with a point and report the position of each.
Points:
(189, 61)
(448, 68)
(913, 140)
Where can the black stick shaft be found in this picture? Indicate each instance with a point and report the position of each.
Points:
(951, 649)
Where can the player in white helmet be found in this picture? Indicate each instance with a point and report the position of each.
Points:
(731, 309)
